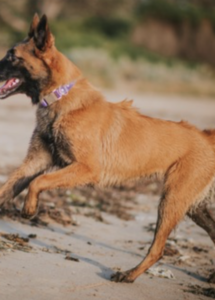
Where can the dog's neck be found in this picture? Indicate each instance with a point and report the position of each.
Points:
(56, 94)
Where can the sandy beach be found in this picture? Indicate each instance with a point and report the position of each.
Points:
(77, 241)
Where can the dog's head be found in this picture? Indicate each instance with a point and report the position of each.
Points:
(27, 67)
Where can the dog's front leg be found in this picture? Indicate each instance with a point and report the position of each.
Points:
(35, 163)
(68, 177)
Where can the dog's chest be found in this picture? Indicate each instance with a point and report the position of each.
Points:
(54, 138)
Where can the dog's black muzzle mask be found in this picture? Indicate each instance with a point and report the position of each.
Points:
(16, 78)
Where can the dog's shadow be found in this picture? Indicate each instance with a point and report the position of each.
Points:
(105, 272)
(10, 228)
(191, 273)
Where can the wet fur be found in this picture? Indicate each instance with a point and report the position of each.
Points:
(92, 141)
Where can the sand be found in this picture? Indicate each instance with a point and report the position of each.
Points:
(99, 248)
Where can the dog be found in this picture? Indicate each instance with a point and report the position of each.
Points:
(91, 141)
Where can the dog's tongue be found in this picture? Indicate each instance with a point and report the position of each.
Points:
(8, 85)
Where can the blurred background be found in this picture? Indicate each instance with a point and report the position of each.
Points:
(159, 46)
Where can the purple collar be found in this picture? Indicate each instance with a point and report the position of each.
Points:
(56, 94)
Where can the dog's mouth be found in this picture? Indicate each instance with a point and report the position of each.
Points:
(9, 87)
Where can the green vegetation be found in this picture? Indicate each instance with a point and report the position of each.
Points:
(71, 35)
(104, 26)
(110, 27)
(98, 36)
(175, 12)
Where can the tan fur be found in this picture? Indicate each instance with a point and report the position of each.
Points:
(112, 143)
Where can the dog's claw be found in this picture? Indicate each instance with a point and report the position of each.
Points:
(122, 277)
(26, 215)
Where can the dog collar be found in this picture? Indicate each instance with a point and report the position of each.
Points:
(56, 94)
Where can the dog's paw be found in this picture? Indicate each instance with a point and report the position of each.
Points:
(212, 278)
(123, 277)
(27, 216)
(28, 213)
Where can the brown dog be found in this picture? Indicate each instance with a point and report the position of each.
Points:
(92, 141)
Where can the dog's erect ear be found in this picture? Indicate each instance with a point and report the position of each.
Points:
(42, 36)
(33, 25)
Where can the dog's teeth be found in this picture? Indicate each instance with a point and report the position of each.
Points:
(16, 80)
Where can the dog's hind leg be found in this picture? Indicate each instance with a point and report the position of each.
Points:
(202, 217)
(169, 214)
(35, 163)
(181, 189)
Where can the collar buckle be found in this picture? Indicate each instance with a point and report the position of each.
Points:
(57, 94)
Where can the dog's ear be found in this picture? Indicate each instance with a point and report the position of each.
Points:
(33, 25)
(42, 36)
